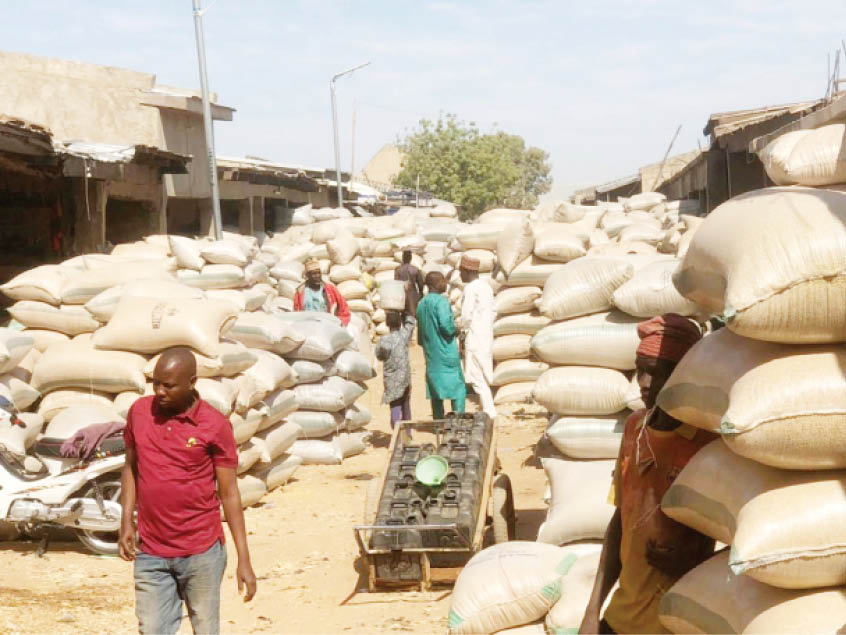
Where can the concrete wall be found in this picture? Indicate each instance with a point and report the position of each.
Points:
(183, 133)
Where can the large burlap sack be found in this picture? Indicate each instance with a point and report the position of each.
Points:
(265, 331)
(773, 261)
(316, 424)
(44, 338)
(77, 364)
(587, 437)
(58, 400)
(583, 286)
(642, 232)
(520, 323)
(104, 304)
(579, 509)
(213, 277)
(14, 346)
(785, 528)
(68, 319)
(321, 339)
(651, 292)
(774, 403)
(392, 295)
(248, 455)
(514, 244)
(220, 394)
(807, 157)
(187, 252)
(507, 585)
(558, 242)
(354, 366)
(512, 371)
(251, 488)
(270, 371)
(478, 236)
(244, 426)
(517, 300)
(608, 339)
(316, 452)
(309, 372)
(83, 285)
(580, 390)
(277, 472)
(225, 252)
(644, 200)
(276, 440)
(342, 248)
(512, 347)
(517, 392)
(150, 325)
(567, 613)
(278, 404)
(712, 599)
(40, 284)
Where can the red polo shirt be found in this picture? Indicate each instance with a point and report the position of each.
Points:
(177, 503)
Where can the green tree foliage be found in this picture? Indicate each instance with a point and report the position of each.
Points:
(478, 171)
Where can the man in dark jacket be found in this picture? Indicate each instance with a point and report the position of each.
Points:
(414, 283)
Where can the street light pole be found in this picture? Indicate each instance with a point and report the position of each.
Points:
(335, 126)
(207, 120)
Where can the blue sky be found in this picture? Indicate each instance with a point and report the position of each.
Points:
(601, 85)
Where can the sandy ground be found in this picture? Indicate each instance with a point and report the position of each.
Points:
(302, 547)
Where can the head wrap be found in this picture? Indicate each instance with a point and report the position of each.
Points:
(667, 337)
(312, 264)
(469, 263)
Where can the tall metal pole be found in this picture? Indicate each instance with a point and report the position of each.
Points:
(207, 120)
(335, 126)
(352, 143)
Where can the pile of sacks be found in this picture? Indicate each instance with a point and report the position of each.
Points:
(773, 385)
(85, 334)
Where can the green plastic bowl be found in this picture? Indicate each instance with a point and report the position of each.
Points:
(431, 470)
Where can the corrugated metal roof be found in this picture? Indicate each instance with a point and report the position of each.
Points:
(650, 177)
(622, 182)
(724, 123)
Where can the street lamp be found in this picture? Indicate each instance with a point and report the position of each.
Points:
(335, 127)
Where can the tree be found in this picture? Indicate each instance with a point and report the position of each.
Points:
(458, 163)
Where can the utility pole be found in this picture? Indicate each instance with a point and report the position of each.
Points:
(335, 125)
(352, 152)
(207, 120)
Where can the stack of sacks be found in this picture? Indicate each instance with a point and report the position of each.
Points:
(772, 384)
(806, 157)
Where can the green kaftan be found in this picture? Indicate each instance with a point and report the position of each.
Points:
(436, 333)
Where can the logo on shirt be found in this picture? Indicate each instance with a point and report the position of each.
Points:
(191, 442)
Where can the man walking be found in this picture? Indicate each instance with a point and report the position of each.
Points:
(316, 295)
(476, 322)
(436, 333)
(179, 450)
(414, 283)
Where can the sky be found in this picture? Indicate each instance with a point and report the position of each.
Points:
(600, 85)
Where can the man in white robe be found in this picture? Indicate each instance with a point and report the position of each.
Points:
(478, 311)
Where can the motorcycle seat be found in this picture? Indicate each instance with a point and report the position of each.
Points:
(49, 446)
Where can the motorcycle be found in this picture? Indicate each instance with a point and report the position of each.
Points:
(44, 488)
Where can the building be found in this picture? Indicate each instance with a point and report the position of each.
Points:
(383, 168)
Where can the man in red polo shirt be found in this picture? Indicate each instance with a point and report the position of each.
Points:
(180, 468)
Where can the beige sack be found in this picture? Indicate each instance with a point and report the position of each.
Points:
(517, 300)
(104, 304)
(14, 387)
(224, 252)
(520, 323)
(773, 261)
(807, 157)
(244, 426)
(213, 277)
(219, 394)
(232, 358)
(512, 371)
(83, 285)
(187, 252)
(511, 347)
(68, 319)
(279, 404)
(785, 528)
(518, 392)
(77, 364)
(580, 390)
(43, 338)
(558, 242)
(262, 330)
(587, 437)
(531, 272)
(583, 286)
(712, 599)
(642, 232)
(251, 488)
(248, 455)
(270, 371)
(40, 284)
(276, 440)
(567, 613)
(608, 340)
(514, 244)
(353, 290)
(20, 438)
(507, 585)
(342, 248)
(651, 292)
(479, 236)
(58, 400)
(278, 472)
(149, 325)
(14, 347)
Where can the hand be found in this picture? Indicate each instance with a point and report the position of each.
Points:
(590, 623)
(126, 545)
(246, 580)
(669, 560)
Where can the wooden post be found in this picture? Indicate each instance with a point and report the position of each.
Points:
(258, 214)
(245, 216)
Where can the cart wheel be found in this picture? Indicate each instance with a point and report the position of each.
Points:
(503, 515)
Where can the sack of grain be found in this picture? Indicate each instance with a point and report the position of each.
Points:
(248, 455)
(302, 215)
(279, 404)
(251, 488)
(354, 366)
(356, 417)
(772, 402)
(68, 319)
(773, 262)
(323, 396)
(213, 277)
(70, 421)
(353, 290)
(512, 371)
(342, 273)
(587, 437)
(310, 372)
(14, 388)
(232, 358)
(265, 331)
(276, 440)
(316, 424)
(512, 347)
(224, 252)
(278, 472)
(784, 527)
(43, 338)
(558, 242)
(520, 323)
(517, 300)
(583, 286)
(392, 295)
(712, 599)
(644, 200)
(507, 585)
(244, 426)
(567, 613)
(651, 292)
(581, 390)
(83, 285)
(315, 452)
(608, 339)
(39, 284)
(58, 400)
(187, 252)
(518, 392)
(807, 157)
(270, 371)
(103, 305)
(219, 394)
(342, 248)
(291, 270)
(579, 509)
(514, 244)
(14, 346)
(478, 236)
(76, 364)
(320, 339)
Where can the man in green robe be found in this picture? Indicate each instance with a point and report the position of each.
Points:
(437, 334)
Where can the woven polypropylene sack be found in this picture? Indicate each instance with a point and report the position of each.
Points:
(785, 527)
(39, 284)
(316, 452)
(83, 285)
(14, 388)
(581, 390)
(58, 400)
(583, 286)
(77, 364)
(244, 426)
(309, 372)
(279, 404)
(278, 472)
(608, 340)
(579, 509)
(479, 236)
(265, 331)
(342, 248)
(320, 339)
(558, 242)
(566, 614)
(248, 455)
(187, 252)
(104, 304)
(520, 323)
(68, 319)
(514, 244)
(213, 277)
(773, 403)
(511, 371)
(517, 392)
(712, 599)
(773, 262)
(517, 300)
(220, 394)
(644, 200)
(587, 437)
(507, 585)
(322, 396)
(251, 489)
(316, 424)
(354, 366)
(807, 157)
(14, 346)
(651, 292)
(511, 347)
(276, 440)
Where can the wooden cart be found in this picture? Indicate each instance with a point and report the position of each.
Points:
(423, 567)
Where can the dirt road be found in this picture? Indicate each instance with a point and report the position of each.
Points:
(302, 546)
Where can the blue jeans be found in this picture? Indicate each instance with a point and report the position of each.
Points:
(161, 585)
